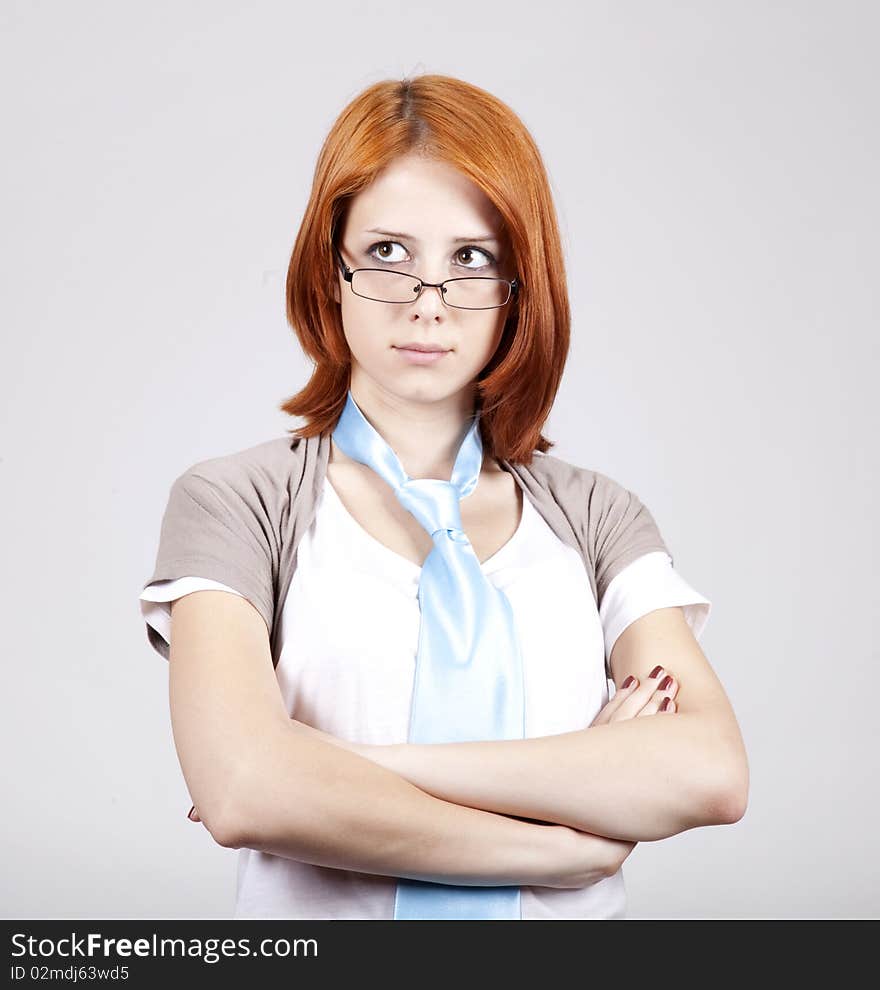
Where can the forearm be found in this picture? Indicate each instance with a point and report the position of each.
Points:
(639, 779)
(311, 801)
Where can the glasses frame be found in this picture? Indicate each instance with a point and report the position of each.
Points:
(513, 286)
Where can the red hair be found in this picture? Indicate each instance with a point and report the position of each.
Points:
(465, 126)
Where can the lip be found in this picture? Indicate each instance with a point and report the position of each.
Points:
(414, 345)
(418, 356)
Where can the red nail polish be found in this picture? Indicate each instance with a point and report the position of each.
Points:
(664, 684)
(666, 703)
(627, 682)
(655, 671)
(189, 814)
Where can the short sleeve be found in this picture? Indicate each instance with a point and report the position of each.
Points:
(156, 602)
(215, 526)
(647, 583)
(623, 530)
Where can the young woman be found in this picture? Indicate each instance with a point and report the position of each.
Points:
(293, 574)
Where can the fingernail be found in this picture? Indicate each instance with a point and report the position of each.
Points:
(655, 671)
(189, 814)
(664, 684)
(627, 682)
(666, 703)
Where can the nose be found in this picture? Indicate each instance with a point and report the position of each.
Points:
(430, 302)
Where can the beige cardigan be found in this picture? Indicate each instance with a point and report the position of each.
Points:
(238, 519)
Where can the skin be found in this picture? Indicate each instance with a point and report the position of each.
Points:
(637, 700)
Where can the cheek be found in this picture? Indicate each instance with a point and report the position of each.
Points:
(484, 341)
(362, 329)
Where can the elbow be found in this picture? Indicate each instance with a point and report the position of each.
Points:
(726, 806)
(737, 785)
(724, 794)
(738, 799)
(224, 827)
(228, 834)
(250, 815)
(728, 801)
(224, 818)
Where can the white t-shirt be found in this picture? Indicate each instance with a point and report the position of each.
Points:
(354, 679)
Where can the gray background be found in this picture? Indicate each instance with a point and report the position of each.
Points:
(714, 166)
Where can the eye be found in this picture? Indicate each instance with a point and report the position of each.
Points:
(384, 251)
(470, 249)
(384, 257)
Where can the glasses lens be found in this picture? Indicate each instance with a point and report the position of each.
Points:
(477, 293)
(384, 286)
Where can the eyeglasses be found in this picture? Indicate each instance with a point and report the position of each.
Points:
(471, 292)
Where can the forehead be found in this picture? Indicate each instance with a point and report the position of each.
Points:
(426, 198)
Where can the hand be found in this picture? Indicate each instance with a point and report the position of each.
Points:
(640, 699)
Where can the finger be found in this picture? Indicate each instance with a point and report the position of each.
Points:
(620, 696)
(660, 704)
(666, 689)
(637, 701)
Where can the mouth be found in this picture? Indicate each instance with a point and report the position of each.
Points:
(421, 354)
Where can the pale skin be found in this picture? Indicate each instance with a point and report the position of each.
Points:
(634, 701)
(626, 778)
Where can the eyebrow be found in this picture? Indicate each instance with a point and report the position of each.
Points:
(410, 237)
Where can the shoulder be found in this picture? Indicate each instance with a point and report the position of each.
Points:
(259, 468)
(254, 487)
(570, 481)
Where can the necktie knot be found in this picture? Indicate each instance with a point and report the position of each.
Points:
(434, 503)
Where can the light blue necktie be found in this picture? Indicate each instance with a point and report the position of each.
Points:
(468, 684)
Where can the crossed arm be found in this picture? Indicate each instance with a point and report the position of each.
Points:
(639, 779)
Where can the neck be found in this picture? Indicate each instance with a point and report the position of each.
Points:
(425, 437)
